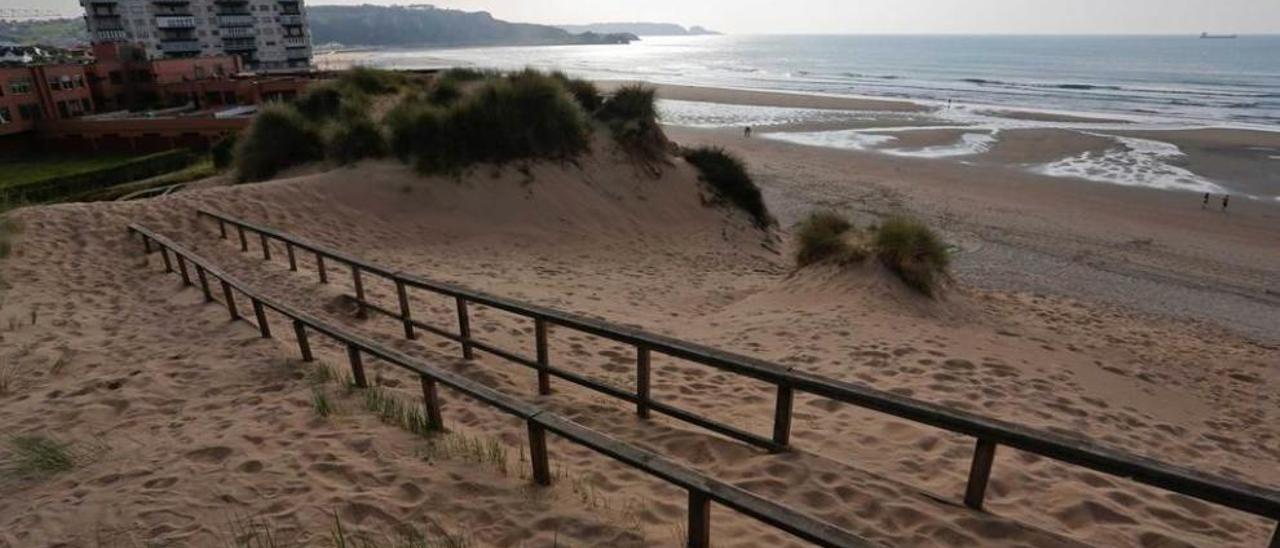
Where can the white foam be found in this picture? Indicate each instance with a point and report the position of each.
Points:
(1136, 162)
(969, 145)
(718, 115)
(845, 139)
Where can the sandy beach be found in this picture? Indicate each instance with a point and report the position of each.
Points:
(1129, 316)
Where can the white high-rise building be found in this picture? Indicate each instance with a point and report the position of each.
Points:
(266, 34)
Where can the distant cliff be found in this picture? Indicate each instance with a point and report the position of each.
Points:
(428, 26)
(60, 33)
(640, 29)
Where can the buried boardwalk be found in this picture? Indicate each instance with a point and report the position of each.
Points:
(203, 420)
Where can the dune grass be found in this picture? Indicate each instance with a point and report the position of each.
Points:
(320, 402)
(824, 236)
(39, 456)
(525, 115)
(584, 91)
(248, 531)
(392, 410)
(279, 138)
(474, 449)
(914, 252)
(352, 138)
(727, 175)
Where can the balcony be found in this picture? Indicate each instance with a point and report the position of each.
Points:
(239, 32)
(291, 20)
(296, 42)
(180, 45)
(111, 35)
(240, 45)
(175, 22)
(235, 20)
(297, 54)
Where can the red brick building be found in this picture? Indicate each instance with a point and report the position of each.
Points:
(42, 92)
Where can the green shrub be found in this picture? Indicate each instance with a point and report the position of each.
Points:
(728, 176)
(913, 251)
(352, 139)
(39, 456)
(823, 236)
(583, 91)
(223, 151)
(278, 138)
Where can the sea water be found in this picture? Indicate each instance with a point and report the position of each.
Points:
(1222, 82)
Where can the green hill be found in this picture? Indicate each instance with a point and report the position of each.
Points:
(428, 26)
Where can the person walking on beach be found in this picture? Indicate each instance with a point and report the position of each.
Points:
(1205, 205)
(747, 132)
(1226, 200)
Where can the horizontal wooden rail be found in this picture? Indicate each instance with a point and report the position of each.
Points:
(989, 433)
(701, 488)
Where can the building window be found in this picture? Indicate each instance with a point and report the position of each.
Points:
(29, 112)
(79, 80)
(5, 116)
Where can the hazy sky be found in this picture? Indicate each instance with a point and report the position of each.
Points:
(874, 16)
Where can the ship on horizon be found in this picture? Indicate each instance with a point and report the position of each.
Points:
(1207, 36)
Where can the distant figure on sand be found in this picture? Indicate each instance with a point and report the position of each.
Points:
(1226, 200)
(1206, 201)
(747, 132)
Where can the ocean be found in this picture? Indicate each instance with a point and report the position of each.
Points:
(1159, 79)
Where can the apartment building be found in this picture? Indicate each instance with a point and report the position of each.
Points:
(267, 35)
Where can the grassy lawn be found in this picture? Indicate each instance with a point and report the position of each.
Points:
(28, 169)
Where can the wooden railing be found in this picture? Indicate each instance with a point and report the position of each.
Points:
(702, 490)
(988, 433)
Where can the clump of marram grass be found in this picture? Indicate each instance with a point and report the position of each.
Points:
(444, 92)
(279, 138)
(474, 449)
(320, 402)
(352, 138)
(912, 250)
(323, 100)
(525, 115)
(223, 151)
(394, 411)
(632, 116)
(727, 175)
(467, 74)
(39, 456)
(584, 91)
(372, 81)
(825, 236)
(406, 536)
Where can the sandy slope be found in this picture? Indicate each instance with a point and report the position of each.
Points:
(203, 419)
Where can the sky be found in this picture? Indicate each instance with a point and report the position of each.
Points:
(871, 16)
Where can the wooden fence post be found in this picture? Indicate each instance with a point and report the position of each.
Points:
(182, 269)
(146, 243)
(642, 381)
(431, 401)
(402, 293)
(244, 243)
(222, 228)
(324, 277)
(231, 300)
(782, 417)
(464, 329)
(357, 366)
(204, 284)
(300, 332)
(984, 453)
(1275, 538)
(538, 454)
(358, 281)
(266, 247)
(544, 356)
(699, 529)
(168, 265)
(260, 312)
(293, 260)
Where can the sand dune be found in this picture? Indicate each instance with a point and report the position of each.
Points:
(194, 420)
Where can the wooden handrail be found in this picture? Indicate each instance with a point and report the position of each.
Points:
(701, 488)
(989, 433)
